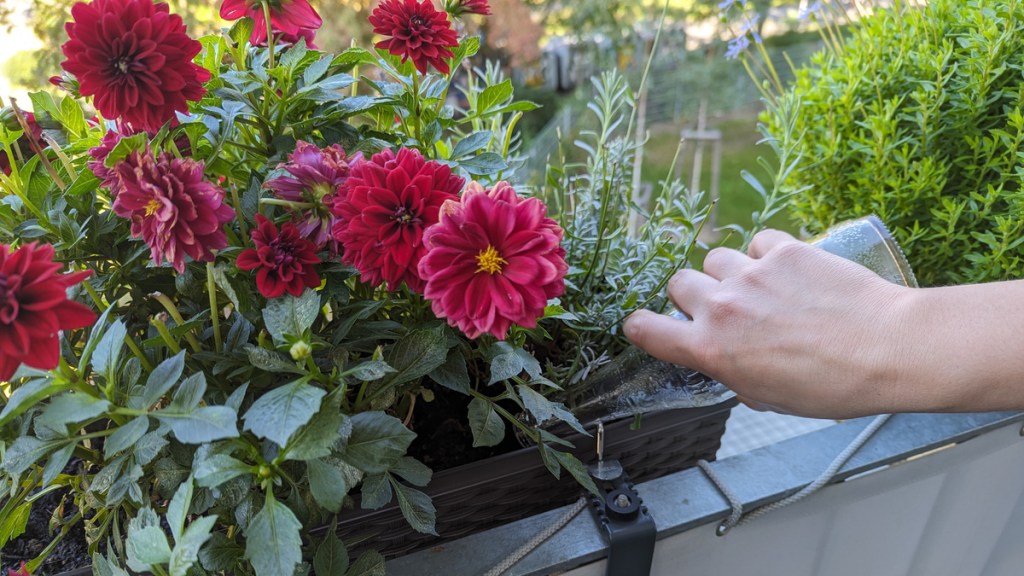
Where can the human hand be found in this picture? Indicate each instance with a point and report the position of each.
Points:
(788, 327)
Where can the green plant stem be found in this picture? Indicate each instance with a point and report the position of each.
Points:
(242, 227)
(211, 289)
(286, 203)
(270, 32)
(168, 305)
(416, 107)
(65, 528)
(137, 352)
(165, 334)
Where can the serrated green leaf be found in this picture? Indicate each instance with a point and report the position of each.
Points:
(331, 558)
(186, 550)
(26, 451)
(217, 469)
(125, 436)
(270, 360)
(417, 508)
(279, 413)
(493, 96)
(162, 378)
(330, 480)
(220, 554)
(370, 370)
(292, 316)
(315, 439)
(375, 492)
(149, 446)
(416, 355)
(543, 409)
(453, 374)
(189, 393)
(378, 441)
(370, 563)
(412, 471)
(15, 523)
(205, 424)
(56, 462)
(28, 396)
(273, 544)
(484, 164)
(71, 408)
(578, 470)
(487, 426)
(146, 544)
(471, 144)
(107, 355)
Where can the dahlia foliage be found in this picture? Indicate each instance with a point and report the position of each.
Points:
(236, 270)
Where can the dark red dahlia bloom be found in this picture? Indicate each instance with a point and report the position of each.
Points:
(289, 17)
(417, 31)
(314, 176)
(307, 34)
(34, 307)
(285, 261)
(493, 260)
(108, 176)
(459, 7)
(172, 207)
(383, 209)
(135, 59)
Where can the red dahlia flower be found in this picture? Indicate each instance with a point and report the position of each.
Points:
(172, 207)
(34, 307)
(493, 260)
(417, 31)
(286, 261)
(135, 59)
(289, 17)
(384, 207)
(314, 176)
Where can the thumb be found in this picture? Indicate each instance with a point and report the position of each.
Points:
(664, 337)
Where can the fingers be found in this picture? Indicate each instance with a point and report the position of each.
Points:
(689, 289)
(723, 262)
(766, 240)
(662, 336)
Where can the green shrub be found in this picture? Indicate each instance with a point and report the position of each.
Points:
(919, 118)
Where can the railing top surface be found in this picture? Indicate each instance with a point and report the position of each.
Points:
(687, 499)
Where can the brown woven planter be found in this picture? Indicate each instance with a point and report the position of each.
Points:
(484, 494)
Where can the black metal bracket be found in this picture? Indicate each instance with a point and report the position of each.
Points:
(624, 519)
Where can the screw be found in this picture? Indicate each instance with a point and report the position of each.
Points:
(622, 501)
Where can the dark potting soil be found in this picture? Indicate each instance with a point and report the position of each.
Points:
(69, 554)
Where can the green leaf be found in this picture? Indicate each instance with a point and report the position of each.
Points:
(475, 142)
(270, 360)
(453, 374)
(315, 439)
(206, 424)
(273, 545)
(56, 462)
(186, 550)
(378, 441)
(162, 378)
(189, 393)
(28, 396)
(331, 558)
(484, 164)
(26, 451)
(370, 563)
(353, 57)
(413, 471)
(508, 362)
(124, 147)
(125, 436)
(15, 523)
(178, 508)
(149, 446)
(417, 354)
(71, 408)
(84, 183)
(417, 508)
(217, 469)
(487, 426)
(370, 370)
(279, 413)
(543, 409)
(101, 566)
(72, 117)
(316, 70)
(107, 355)
(578, 470)
(493, 96)
(146, 544)
(330, 480)
(376, 492)
(219, 554)
(291, 316)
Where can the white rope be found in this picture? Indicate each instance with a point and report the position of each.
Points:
(538, 539)
(737, 517)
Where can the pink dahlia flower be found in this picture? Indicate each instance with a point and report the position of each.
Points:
(459, 7)
(383, 209)
(135, 59)
(285, 261)
(172, 208)
(314, 176)
(34, 307)
(417, 31)
(290, 17)
(493, 260)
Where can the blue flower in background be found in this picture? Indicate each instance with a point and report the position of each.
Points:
(736, 47)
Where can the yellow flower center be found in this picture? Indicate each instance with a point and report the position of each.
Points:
(152, 207)
(490, 261)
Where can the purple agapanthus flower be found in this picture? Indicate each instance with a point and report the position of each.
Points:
(314, 176)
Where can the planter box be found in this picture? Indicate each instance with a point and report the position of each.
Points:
(484, 494)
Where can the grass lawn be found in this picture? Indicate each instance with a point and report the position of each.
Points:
(739, 152)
